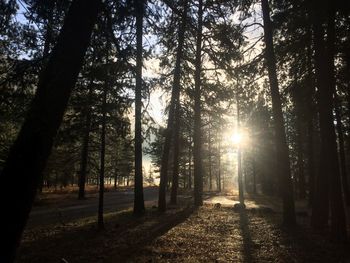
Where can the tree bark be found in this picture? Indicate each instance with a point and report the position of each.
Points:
(338, 217)
(239, 157)
(190, 163)
(175, 97)
(328, 181)
(100, 221)
(29, 153)
(254, 175)
(85, 146)
(116, 179)
(310, 119)
(285, 180)
(341, 146)
(175, 179)
(210, 164)
(139, 204)
(299, 106)
(46, 51)
(320, 202)
(219, 166)
(197, 137)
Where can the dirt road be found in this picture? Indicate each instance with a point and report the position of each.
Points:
(64, 211)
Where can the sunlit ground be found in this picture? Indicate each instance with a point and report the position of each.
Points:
(230, 199)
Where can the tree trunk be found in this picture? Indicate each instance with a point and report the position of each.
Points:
(175, 179)
(46, 51)
(29, 153)
(299, 106)
(219, 166)
(320, 202)
(85, 148)
(210, 164)
(338, 217)
(190, 164)
(286, 186)
(310, 120)
(341, 146)
(116, 171)
(254, 175)
(328, 182)
(197, 138)
(239, 158)
(301, 174)
(100, 222)
(139, 204)
(175, 97)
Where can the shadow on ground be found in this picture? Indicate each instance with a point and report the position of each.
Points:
(123, 236)
(263, 232)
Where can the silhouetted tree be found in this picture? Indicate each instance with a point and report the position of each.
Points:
(280, 136)
(139, 205)
(29, 153)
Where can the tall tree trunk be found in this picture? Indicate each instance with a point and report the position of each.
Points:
(190, 164)
(29, 153)
(100, 221)
(197, 137)
(329, 176)
(285, 180)
(310, 119)
(46, 51)
(219, 166)
(116, 179)
(299, 106)
(175, 97)
(320, 202)
(341, 146)
(139, 204)
(210, 164)
(175, 179)
(338, 217)
(254, 175)
(85, 145)
(301, 174)
(239, 157)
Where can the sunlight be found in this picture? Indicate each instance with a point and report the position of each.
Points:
(236, 138)
(239, 138)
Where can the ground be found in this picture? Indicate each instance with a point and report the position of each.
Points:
(213, 233)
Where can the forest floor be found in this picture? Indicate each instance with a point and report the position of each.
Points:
(212, 233)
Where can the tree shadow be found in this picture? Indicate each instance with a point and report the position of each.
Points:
(299, 243)
(248, 244)
(122, 238)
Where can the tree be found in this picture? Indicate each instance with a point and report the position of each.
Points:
(197, 136)
(174, 112)
(85, 144)
(100, 221)
(328, 185)
(280, 136)
(239, 155)
(139, 205)
(31, 149)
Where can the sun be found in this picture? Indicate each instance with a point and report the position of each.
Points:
(236, 138)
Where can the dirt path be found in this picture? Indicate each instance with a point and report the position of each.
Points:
(65, 211)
